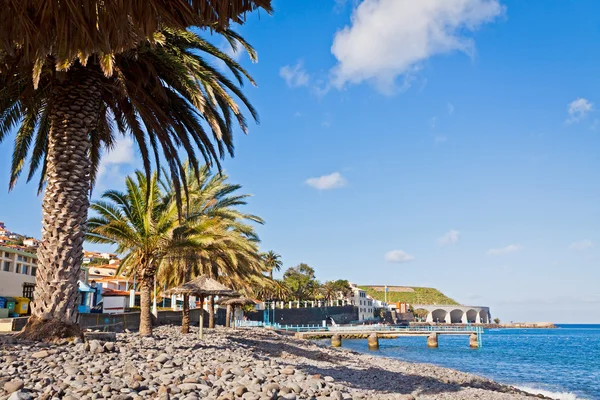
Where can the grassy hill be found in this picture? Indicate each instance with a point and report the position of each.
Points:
(411, 295)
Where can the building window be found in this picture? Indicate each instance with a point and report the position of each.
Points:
(24, 269)
(6, 254)
(18, 269)
(33, 271)
(6, 267)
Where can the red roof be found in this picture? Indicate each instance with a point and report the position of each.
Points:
(113, 292)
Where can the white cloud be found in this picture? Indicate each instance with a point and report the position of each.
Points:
(511, 248)
(433, 122)
(390, 38)
(450, 237)
(294, 76)
(450, 108)
(582, 245)
(439, 139)
(398, 256)
(121, 153)
(326, 182)
(578, 109)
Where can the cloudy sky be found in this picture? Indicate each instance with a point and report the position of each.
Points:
(444, 143)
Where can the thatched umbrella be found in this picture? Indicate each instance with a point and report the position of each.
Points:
(239, 301)
(202, 286)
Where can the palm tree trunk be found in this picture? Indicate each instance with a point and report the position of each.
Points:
(75, 103)
(185, 319)
(211, 312)
(228, 316)
(146, 285)
(271, 274)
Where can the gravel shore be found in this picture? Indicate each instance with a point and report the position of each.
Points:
(249, 364)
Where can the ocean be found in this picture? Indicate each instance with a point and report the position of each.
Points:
(562, 363)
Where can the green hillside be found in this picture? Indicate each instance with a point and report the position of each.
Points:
(411, 295)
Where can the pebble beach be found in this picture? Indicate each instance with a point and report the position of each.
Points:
(250, 364)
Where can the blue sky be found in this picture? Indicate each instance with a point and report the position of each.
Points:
(444, 143)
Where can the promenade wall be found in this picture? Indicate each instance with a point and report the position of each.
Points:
(308, 316)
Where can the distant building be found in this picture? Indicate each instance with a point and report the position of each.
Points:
(106, 276)
(31, 242)
(363, 302)
(17, 268)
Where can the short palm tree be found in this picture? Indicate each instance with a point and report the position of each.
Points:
(214, 238)
(141, 224)
(273, 262)
(164, 93)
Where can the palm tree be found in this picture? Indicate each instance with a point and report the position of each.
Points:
(142, 227)
(163, 92)
(41, 30)
(214, 239)
(272, 261)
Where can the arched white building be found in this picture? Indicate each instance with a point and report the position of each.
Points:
(455, 314)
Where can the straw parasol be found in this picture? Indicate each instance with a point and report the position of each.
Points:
(235, 302)
(202, 286)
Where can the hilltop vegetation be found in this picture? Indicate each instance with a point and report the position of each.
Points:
(418, 295)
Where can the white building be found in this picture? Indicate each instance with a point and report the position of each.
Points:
(363, 302)
(16, 269)
(31, 242)
(107, 277)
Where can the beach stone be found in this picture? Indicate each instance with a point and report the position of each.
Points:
(337, 395)
(161, 359)
(288, 371)
(271, 387)
(109, 347)
(40, 354)
(187, 387)
(13, 386)
(19, 395)
(295, 387)
(240, 390)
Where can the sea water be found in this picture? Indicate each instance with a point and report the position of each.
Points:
(562, 363)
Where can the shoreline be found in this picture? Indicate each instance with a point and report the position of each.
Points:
(249, 364)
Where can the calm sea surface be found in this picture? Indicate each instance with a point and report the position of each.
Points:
(562, 363)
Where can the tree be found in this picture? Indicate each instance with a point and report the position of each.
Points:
(271, 290)
(141, 224)
(496, 321)
(163, 92)
(272, 261)
(214, 237)
(333, 290)
(301, 283)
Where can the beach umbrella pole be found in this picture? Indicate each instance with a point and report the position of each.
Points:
(200, 335)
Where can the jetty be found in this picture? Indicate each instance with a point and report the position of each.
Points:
(375, 332)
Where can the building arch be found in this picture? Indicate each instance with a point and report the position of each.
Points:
(483, 316)
(472, 316)
(456, 316)
(438, 315)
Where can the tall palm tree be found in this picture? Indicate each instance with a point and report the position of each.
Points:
(142, 227)
(214, 239)
(272, 261)
(39, 30)
(164, 93)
